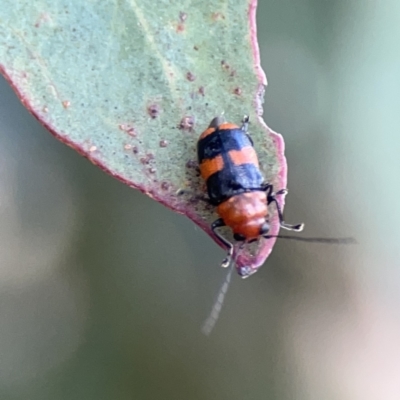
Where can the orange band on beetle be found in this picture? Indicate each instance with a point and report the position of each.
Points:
(246, 155)
(209, 167)
(228, 125)
(207, 132)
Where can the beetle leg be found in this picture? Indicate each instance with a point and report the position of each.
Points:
(217, 224)
(272, 199)
(282, 192)
(245, 123)
(267, 187)
(245, 128)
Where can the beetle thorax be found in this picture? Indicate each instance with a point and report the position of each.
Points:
(245, 213)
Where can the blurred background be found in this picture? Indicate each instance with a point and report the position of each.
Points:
(100, 300)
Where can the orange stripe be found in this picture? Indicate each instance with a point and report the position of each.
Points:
(209, 167)
(247, 155)
(207, 132)
(228, 125)
(211, 130)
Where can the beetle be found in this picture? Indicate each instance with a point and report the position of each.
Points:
(229, 165)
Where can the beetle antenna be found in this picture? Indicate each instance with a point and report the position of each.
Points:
(212, 319)
(348, 240)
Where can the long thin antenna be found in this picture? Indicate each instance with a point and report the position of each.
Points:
(348, 240)
(216, 309)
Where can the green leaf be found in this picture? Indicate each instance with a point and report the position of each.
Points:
(132, 84)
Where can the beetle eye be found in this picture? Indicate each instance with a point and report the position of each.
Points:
(239, 237)
(264, 229)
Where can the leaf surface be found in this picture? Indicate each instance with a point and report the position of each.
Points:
(132, 84)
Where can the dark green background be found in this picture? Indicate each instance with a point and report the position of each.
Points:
(103, 291)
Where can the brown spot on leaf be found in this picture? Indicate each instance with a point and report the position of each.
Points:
(42, 18)
(196, 48)
(237, 91)
(181, 25)
(182, 16)
(163, 143)
(190, 77)
(225, 65)
(187, 123)
(129, 129)
(217, 16)
(201, 90)
(146, 160)
(164, 185)
(191, 164)
(135, 150)
(154, 110)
